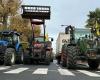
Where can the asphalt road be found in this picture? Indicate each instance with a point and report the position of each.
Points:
(44, 72)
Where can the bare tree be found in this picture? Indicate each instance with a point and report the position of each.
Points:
(23, 26)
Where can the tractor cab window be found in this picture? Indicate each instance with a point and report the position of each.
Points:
(15, 38)
(6, 38)
(39, 39)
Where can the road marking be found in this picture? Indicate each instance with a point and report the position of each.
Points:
(57, 65)
(97, 71)
(5, 67)
(16, 71)
(54, 61)
(41, 71)
(65, 72)
(89, 73)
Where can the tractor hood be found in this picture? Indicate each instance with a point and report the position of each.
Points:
(4, 43)
(37, 45)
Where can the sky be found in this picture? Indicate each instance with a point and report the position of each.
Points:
(65, 12)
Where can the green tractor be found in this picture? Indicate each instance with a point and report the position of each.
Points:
(84, 48)
(90, 48)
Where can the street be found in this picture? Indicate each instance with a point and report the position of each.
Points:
(45, 72)
(49, 40)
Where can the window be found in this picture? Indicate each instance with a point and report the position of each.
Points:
(15, 38)
(40, 39)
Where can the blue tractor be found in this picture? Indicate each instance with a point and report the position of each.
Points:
(11, 50)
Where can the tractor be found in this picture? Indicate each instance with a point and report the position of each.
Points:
(11, 50)
(84, 48)
(50, 49)
(39, 50)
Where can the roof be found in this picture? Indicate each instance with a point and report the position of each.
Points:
(36, 12)
(80, 30)
(9, 32)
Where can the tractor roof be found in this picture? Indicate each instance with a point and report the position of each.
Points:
(9, 32)
(36, 12)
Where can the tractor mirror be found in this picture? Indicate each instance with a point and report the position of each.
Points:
(51, 39)
(21, 33)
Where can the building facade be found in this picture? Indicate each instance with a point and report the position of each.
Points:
(61, 39)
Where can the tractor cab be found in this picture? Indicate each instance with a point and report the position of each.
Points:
(11, 50)
(9, 37)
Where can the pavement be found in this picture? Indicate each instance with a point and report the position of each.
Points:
(47, 72)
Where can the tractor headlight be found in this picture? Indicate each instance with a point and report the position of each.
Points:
(92, 55)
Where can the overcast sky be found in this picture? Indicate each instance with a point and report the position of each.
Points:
(67, 12)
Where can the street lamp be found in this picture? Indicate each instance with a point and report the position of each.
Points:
(68, 28)
(64, 25)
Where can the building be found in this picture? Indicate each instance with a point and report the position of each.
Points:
(62, 38)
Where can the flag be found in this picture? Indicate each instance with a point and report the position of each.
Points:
(97, 29)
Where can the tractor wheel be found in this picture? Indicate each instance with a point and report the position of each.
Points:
(51, 60)
(71, 57)
(9, 57)
(47, 60)
(1, 59)
(63, 64)
(26, 58)
(19, 57)
(93, 64)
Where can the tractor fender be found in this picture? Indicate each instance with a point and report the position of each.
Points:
(10, 46)
(17, 46)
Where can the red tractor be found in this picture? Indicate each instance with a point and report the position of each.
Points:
(42, 51)
(39, 50)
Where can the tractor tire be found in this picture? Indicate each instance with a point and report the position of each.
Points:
(93, 64)
(51, 60)
(26, 58)
(1, 59)
(19, 56)
(1, 62)
(47, 60)
(71, 57)
(9, 57)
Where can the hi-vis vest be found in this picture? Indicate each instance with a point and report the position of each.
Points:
(97, 29)
(46, 37)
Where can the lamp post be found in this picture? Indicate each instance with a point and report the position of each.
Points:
(64, 25)
(69, 29)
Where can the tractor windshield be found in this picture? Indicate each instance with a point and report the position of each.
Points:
(40, 39)
(81, 33)
(6, 38)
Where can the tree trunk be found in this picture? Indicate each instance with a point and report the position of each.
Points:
(5, 18)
